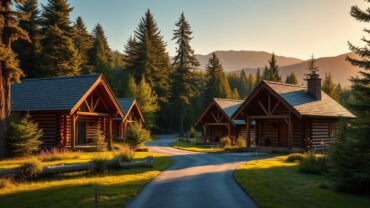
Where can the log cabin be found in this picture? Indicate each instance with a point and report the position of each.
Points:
(217, 123)
(133, 114)
(69, 110)
(291, 117)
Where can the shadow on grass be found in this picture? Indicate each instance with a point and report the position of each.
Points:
(115, 188)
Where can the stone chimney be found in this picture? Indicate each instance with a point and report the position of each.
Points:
(314, 85)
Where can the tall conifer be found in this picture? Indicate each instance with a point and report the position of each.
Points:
(100, 54)
(59, 56)
(83, 43)
(184, 63)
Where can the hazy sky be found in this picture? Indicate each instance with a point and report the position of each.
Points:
(294, 28)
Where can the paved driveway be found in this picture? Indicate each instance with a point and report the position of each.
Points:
(201, 180)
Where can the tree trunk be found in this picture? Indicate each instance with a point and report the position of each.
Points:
(3, 112)
(181, 123)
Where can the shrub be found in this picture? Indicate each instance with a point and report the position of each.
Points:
(296, 157)
(31, 169)
(136, 136)
(225, 142)
(241, 143)
(99, 140)
(5, 183)
(23, 136)
(192, 132)
(99, 161)
(55, 154)
(313, 165)
(125, 154)
(142, 149)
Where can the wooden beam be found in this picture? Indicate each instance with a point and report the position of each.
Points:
(92, 114)
(213, 115)
(275, 107)
(267, 117)
(109, 134)
(248, 132)
(87, 105)
(73, 131)
(217, 124)
(263, 108)
(96, 104)
(269, 104)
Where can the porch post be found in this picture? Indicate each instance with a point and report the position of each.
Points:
(290, 131)
(247, 133)
(204, 133)
(109, 133)
(73, 131)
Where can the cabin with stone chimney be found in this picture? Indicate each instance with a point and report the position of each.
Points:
(291, 117)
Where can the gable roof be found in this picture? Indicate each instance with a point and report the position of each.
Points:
(55, 93)
(127, 104)
(297, 99)
(227, 106)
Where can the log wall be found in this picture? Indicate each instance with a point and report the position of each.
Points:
(49, 123)
(320, 133)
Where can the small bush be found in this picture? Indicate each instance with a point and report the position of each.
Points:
(55, 154)
(100, 162)
(225, 142)
(296, 157)
(31, 169)
(6, 183)
(241, 143)
(313, 165)
(192, 132)
(23, 136)
(125, 154)
(136, 136)
(99, 140)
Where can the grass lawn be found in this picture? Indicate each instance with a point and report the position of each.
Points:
(192, 146)
(115, 188)
(276, 183)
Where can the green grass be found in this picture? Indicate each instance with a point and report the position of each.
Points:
(115, 188)
(192, 146)
(276, 183)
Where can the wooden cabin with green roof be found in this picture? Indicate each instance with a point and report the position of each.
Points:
(133, 114)
(216, 121)
(291, 116)
(69, 110)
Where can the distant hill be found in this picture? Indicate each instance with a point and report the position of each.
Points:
(235, 60)
(339, 68)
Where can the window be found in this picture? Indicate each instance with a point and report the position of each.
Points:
(332, 129)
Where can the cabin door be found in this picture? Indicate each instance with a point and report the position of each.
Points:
(283, 134)
(81, 132)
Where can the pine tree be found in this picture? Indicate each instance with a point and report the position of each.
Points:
(349, 158)
(83, 43)
(235, 94)
(251, 82)
(131, 88)
(330, 88)
(100, 54)
(145, 54)
(273, 70)
(184, 63)
(59, 56)
(9, 69)
(216, 84)
(291, 79)
(312, 68)
(258, 76)
(148, 103)
(266, 74)
(29, 52)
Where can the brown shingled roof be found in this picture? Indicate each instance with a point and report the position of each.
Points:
(297, 98)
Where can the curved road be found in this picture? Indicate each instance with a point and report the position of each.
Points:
(201, 180)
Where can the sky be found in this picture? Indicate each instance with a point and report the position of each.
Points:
(293, 28)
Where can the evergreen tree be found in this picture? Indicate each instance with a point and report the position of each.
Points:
(330, 88)
(291, 79)
(29, 52)
(83, 43)
(184, 63)
(100, 53)
(216, 84)
(312, 68)
(258, 76)
(145, 54)
(59, 56)
(9, 69)
(131, 88)
(273, 70)
(266, 74)
(251, 83)
(148, 102)
(350, 159)
(235, 94)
